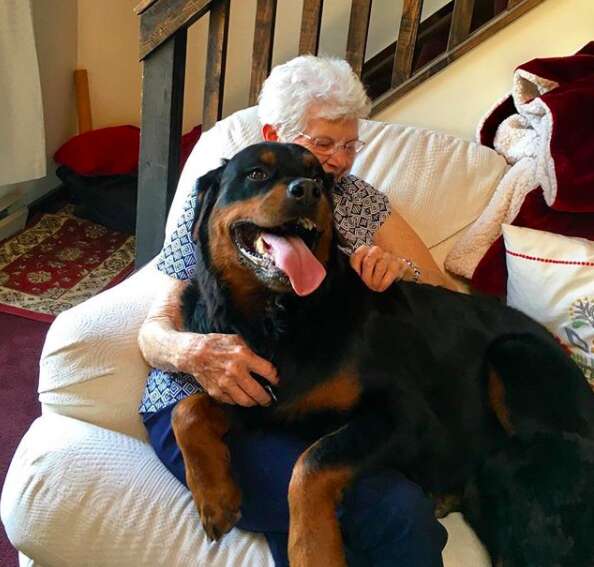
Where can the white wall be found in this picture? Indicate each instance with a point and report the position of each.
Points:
(107, 47)
(458, 97)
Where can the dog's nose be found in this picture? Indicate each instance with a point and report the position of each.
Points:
(304, 190)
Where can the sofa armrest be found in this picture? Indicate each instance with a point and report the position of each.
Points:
(75, 491)
(77, 494)
(91, 367)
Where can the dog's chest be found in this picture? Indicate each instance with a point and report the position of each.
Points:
(339, 393)
(309, 413)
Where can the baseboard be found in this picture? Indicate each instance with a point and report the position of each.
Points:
(49, 201)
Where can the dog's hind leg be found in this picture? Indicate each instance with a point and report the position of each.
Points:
(199, 424)
(319, 478)
(526, 502)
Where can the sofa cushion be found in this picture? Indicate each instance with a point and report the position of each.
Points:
(438, 183)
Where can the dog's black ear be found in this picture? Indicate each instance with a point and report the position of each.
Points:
(207, 191)
(210, 307)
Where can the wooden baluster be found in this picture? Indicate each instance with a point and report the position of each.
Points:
(214, 84)
(358, 30)
(311, 23)
(158, 169)
(263, 42)
(461, 21)
(407, 39)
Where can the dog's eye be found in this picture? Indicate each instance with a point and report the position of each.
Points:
(257, 175)
(318, 179)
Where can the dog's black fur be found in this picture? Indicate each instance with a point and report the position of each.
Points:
(423, 357)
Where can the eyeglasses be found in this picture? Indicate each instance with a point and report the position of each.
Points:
(327, 146)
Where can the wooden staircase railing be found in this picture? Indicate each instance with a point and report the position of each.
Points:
(413, 58)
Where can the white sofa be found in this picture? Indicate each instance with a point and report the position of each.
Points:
(84, 487)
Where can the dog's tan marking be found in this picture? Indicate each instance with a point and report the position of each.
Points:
(496, 390)
(340, 393)
(314, 531)
(199, 424)
(268, 157)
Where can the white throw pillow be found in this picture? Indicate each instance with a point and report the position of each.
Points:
(551, 278)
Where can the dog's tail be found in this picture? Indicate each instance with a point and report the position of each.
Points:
(533, 386)
(532, 503)
(532, 499)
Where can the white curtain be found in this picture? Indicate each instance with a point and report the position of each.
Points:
(22, 133)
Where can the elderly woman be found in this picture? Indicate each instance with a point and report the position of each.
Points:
(386, 520)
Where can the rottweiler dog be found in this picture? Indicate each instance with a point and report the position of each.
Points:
(467, 397)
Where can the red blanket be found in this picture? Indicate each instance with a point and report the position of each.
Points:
(545, 130)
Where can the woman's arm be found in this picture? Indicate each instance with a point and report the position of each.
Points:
(221, 363)
(385, 262)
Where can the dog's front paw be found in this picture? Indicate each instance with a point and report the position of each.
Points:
(218, 508)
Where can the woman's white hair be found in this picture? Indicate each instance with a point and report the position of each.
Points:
(291, 89)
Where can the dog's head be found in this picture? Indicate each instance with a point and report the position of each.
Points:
(264, 221)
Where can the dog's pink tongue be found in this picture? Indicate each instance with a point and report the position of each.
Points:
(292, 256)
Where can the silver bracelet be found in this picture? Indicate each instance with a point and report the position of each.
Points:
(414, 268)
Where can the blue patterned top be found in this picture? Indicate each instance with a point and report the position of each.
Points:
(359, 211)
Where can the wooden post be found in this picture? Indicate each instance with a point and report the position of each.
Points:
(358, 30)
(407, 39)
(83, 100)
(214, 84)
(461, 21)
(263, 42)
(158, 170)
(311, 22)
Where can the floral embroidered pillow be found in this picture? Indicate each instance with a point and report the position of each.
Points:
(551, 278)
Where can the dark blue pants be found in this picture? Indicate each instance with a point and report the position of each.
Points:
(386, 520)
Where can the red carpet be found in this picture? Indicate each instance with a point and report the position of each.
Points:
(58, 262)
(21, 341)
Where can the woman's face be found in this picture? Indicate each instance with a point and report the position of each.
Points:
(326, 138)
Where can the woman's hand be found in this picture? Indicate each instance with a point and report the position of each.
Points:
(377, 268)
(222, 364)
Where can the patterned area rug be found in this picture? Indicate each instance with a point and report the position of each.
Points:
(58, 262)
